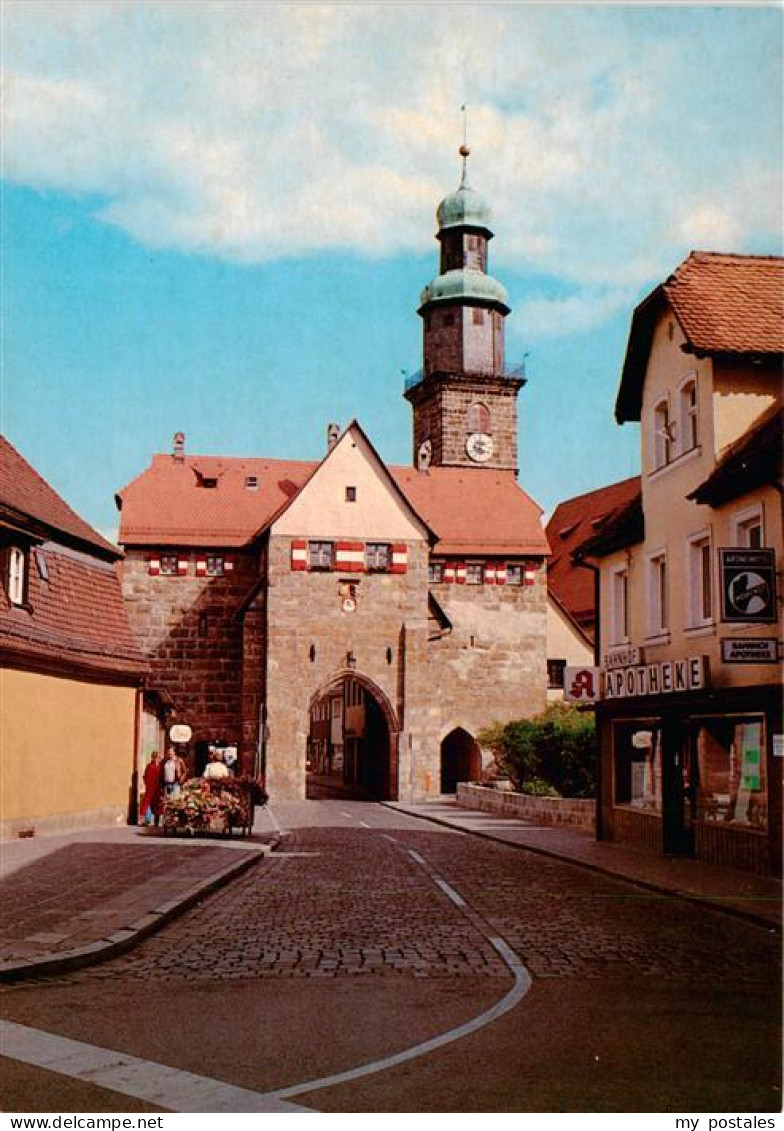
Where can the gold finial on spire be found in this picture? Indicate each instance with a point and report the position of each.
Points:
(464, 151)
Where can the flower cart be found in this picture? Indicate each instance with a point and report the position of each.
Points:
(214, 806)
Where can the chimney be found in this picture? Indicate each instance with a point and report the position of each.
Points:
(178, 449)
(333, 435)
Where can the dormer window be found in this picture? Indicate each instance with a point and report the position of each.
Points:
(16, 576)
(41, 564)
(663, 435)
(251, 483)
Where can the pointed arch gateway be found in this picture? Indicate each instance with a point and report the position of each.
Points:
(461, 759)
(352, 741)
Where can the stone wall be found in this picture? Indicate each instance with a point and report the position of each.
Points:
(492, 665)
(441, 414)
(578, 812)
(189, 629)
(310, 640)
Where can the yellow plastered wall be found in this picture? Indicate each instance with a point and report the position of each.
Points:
(65, 746)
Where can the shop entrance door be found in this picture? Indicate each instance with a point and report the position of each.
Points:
(677, 790)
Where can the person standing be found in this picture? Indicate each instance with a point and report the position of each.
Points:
(173, 773)
(150, 805)
(216, 768)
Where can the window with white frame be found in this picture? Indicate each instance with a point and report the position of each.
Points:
(700, 577)
(663, 435)
(747, 528)
(619, 605)
(689, 424)
(16, 576)
(658, 600)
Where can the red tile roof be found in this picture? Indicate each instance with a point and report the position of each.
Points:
(25, 493)
(472, 511)
(572, 522)
(731, 305)
(76, 618)
(166, 506)
(74, 614)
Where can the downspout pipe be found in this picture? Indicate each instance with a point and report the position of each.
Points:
(579, 560)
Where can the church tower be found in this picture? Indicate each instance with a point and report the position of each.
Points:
(464, 398)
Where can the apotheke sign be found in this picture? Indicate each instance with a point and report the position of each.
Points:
(668, 678)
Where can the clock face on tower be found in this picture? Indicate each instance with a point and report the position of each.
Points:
(479, 447)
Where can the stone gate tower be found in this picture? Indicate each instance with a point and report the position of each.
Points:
(465, 397)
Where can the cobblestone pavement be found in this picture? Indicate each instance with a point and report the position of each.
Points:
(350, 902)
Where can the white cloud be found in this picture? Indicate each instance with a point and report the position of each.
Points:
(253, 132)
(543, 317)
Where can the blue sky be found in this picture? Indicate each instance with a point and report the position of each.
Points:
(218, 217)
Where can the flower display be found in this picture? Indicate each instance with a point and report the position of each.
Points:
(210, 806)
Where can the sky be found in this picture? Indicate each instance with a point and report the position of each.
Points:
(217, 218)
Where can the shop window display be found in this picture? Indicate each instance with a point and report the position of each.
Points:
(638, 765)
(730, 756)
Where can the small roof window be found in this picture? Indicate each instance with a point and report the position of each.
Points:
(251, 482)
(41, 563)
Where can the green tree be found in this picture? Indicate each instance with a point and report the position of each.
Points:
(551, 754)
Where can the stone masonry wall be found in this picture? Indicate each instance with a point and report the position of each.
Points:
(442, 413)
(304, 613)
(188, 628)
(574, 811)
(492, 666)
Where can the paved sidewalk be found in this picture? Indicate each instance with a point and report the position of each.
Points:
(742, 893)
(68, 901)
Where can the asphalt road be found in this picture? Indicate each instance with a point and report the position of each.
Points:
(344, 949)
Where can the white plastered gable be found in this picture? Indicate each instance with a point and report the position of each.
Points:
(324, 509)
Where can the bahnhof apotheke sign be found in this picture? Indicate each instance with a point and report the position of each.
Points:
(665, 678)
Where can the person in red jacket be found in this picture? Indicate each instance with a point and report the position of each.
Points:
(150, 806)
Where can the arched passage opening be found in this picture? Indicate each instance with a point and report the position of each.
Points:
(461, 760)
(352, 743)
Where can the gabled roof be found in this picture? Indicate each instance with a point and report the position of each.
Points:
(74, 613)
(752, 461)
(28, 501)
(625, 527)
(354, 429)
(572, 522)
(75, 617)
(726, 305)
(469, 511)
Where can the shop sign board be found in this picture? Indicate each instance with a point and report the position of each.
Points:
(180, 732)
(666, 678)
(748, 585)
(582, 685)
(624, 656)
(749, 650)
